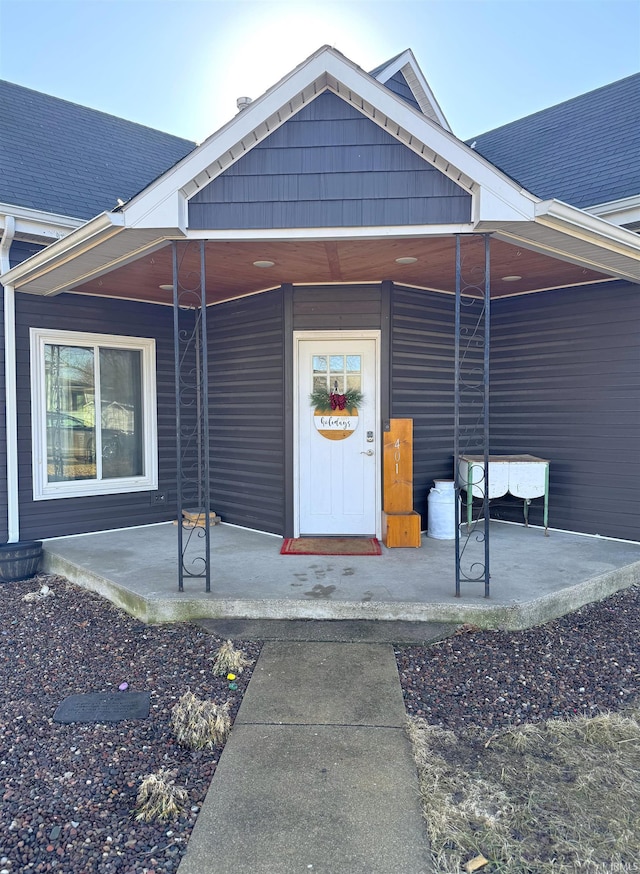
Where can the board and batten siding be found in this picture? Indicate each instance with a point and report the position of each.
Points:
(565, 385)
(69, 312)
(328, 166)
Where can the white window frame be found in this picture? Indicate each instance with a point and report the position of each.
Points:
(42, 490)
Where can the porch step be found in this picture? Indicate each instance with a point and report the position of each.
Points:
(337, 630)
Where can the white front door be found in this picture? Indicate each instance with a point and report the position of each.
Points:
(338, 455)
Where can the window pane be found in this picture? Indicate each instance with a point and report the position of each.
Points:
(319, 363)
(337, 363)
(121, 412)
(353, 363)
(70, 406)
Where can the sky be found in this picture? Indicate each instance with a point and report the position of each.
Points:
(180, 65)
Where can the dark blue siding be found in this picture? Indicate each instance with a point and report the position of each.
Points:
(398, 84)
(51, 518)
(329, 166)
(422, 381)
(21, 250)
(246, 405)
(565, 385)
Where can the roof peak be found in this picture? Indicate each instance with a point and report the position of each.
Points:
(406, 65)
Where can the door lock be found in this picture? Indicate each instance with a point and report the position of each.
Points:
(369, 436)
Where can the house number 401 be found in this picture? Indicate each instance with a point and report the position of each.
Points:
(396, 454)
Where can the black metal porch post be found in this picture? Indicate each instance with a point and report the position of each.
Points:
(192, 418)
(471, 417)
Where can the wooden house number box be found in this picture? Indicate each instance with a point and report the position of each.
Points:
(400, 524)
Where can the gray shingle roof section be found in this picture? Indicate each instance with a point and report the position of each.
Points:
(584, 152)
(386, 64)
(59, 157)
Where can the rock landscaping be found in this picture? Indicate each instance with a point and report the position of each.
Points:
(69, 791)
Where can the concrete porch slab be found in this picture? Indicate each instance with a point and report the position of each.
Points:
(533, 578)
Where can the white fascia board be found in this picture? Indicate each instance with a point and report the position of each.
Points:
(268, 111)
(37, 223)
(168, 212)
(553, 243)
(83, 238)
(328, 70)
(589, 228)
(619, 212)
(401, 232)
(406, 63)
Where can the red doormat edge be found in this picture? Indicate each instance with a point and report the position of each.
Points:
(331, 546)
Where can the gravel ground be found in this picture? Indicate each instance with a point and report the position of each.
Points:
(584, 663)
(68, 790)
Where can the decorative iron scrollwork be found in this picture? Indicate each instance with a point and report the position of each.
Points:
(192, 412)
(471, 407)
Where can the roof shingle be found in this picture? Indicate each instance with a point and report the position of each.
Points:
(62, 158)
(584, 151)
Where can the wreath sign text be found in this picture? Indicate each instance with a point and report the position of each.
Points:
(336, 415)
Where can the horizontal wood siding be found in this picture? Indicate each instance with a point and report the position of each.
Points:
(329, 166)
(247, 397)
(336, 307)
(69, 312)
(422, 382)
(565, 385)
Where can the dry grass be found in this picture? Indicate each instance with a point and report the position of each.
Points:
(229, 660)
(159, 797)
(561, 796)
(200, 724)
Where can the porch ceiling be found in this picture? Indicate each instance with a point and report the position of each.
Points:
(230, 271)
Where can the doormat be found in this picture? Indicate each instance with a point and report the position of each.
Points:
(331, 546)
(103, 707)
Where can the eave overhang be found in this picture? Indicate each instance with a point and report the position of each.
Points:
(95, 248)
(570, 234)
(159, 213)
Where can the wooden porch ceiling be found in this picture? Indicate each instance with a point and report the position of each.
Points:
(230, 271)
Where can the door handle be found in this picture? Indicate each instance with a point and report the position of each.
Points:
(368, 452)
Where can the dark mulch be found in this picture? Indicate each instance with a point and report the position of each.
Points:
(68, 791)
(584, 663)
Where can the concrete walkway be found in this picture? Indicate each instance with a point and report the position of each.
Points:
(317, 775)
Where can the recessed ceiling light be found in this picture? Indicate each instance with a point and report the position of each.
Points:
(513, 278)
(263, 263)
(409, 259)
(165, 287)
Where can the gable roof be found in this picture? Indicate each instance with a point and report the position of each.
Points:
(160, 212)
(585, 151)
(58, 157)
(402, 75)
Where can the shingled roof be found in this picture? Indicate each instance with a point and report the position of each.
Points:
(58, 157)
(584, 152)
